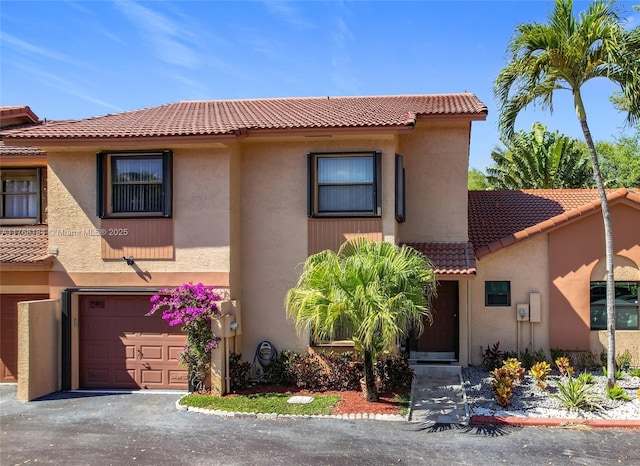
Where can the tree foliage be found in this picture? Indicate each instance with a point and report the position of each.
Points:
(539, 159)
(477, 181)
(563, 54)
(377, 290)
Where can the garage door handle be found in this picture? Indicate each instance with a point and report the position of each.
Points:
(140, 354)
(146, 365)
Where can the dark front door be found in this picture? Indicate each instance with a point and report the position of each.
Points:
(442, 335)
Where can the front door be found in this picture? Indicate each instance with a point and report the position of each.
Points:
(442, 335)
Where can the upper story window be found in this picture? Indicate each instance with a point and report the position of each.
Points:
(626, 304)
(345, 184)
(134, 184)
(497, 293)
(20, 196)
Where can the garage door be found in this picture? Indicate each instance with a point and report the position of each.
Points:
(9, 333)
(120, 347)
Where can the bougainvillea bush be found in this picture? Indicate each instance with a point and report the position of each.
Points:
(192, 307)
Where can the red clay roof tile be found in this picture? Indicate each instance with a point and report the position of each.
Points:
(9, 151)
(230, 117)
(449, 258)
(24, 245)
(498, 219)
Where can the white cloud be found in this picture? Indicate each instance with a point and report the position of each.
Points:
(61, 84)
(27, 48)
(173, 43)
(287, 12)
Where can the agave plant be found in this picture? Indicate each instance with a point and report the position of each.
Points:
(577, 394)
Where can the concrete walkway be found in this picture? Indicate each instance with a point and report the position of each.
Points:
(437, 396)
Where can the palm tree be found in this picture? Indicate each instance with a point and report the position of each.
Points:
(565, 53)
(539, 160)
(378, 290)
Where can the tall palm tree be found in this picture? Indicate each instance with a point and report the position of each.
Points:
(378, 290)
(539, 160)
(565, 53)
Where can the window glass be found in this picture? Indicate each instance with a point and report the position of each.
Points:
(497, 293)
(19, 194)
(345, 170)
(626, 304)
(343, 184)
(134, 184)
(137, 184)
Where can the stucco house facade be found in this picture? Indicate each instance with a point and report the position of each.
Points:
(236, 194)
(24, 258)
(543, 251)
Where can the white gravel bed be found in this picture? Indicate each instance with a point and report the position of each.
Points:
(530, 401)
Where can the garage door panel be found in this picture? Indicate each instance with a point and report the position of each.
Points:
(177, 378)
(142, 351)
(152, 377)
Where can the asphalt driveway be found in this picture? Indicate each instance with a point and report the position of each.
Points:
(102, 429)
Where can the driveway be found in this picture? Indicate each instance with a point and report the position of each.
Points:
(144, 428)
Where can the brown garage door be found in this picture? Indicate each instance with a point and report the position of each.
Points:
(9, 333)
(122, 348)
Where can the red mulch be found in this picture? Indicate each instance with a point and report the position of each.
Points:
(351, 402)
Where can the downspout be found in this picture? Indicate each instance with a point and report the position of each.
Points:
(469, 301)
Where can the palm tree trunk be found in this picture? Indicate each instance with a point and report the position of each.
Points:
(608, 242)
(369, 377)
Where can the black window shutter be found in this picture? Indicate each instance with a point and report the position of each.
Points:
(378, 182)
(167, 189)
(101, 174)
(310, 184)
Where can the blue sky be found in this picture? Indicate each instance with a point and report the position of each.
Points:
(77, 59)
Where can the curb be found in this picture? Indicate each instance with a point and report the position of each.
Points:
(554, 422)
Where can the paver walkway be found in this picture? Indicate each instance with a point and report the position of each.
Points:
(437, 396)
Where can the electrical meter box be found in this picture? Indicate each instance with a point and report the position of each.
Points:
(522, 312)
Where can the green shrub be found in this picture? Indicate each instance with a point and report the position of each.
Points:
(557, 353)
(635, 372)
(395, 373)
(586, 377)
(576, 394)
(239, 371)
(618, 374)
(617, 393)
(623, 361)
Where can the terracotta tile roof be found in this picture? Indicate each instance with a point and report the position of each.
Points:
(500, 218)
(16, 115)
(449, 258)
(28, 151)
(24, 245)
(234, 117)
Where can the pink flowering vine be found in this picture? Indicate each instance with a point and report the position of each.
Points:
(192, 307)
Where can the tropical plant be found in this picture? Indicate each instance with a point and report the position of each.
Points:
(539, 160)
(192, 307)
(586, 377)
(514, 367)
(492, 357)
(617, 393)
(540, 371)
(565, 53)
(378, 290)
(502, 385)
(564, 366)
(576, 394)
